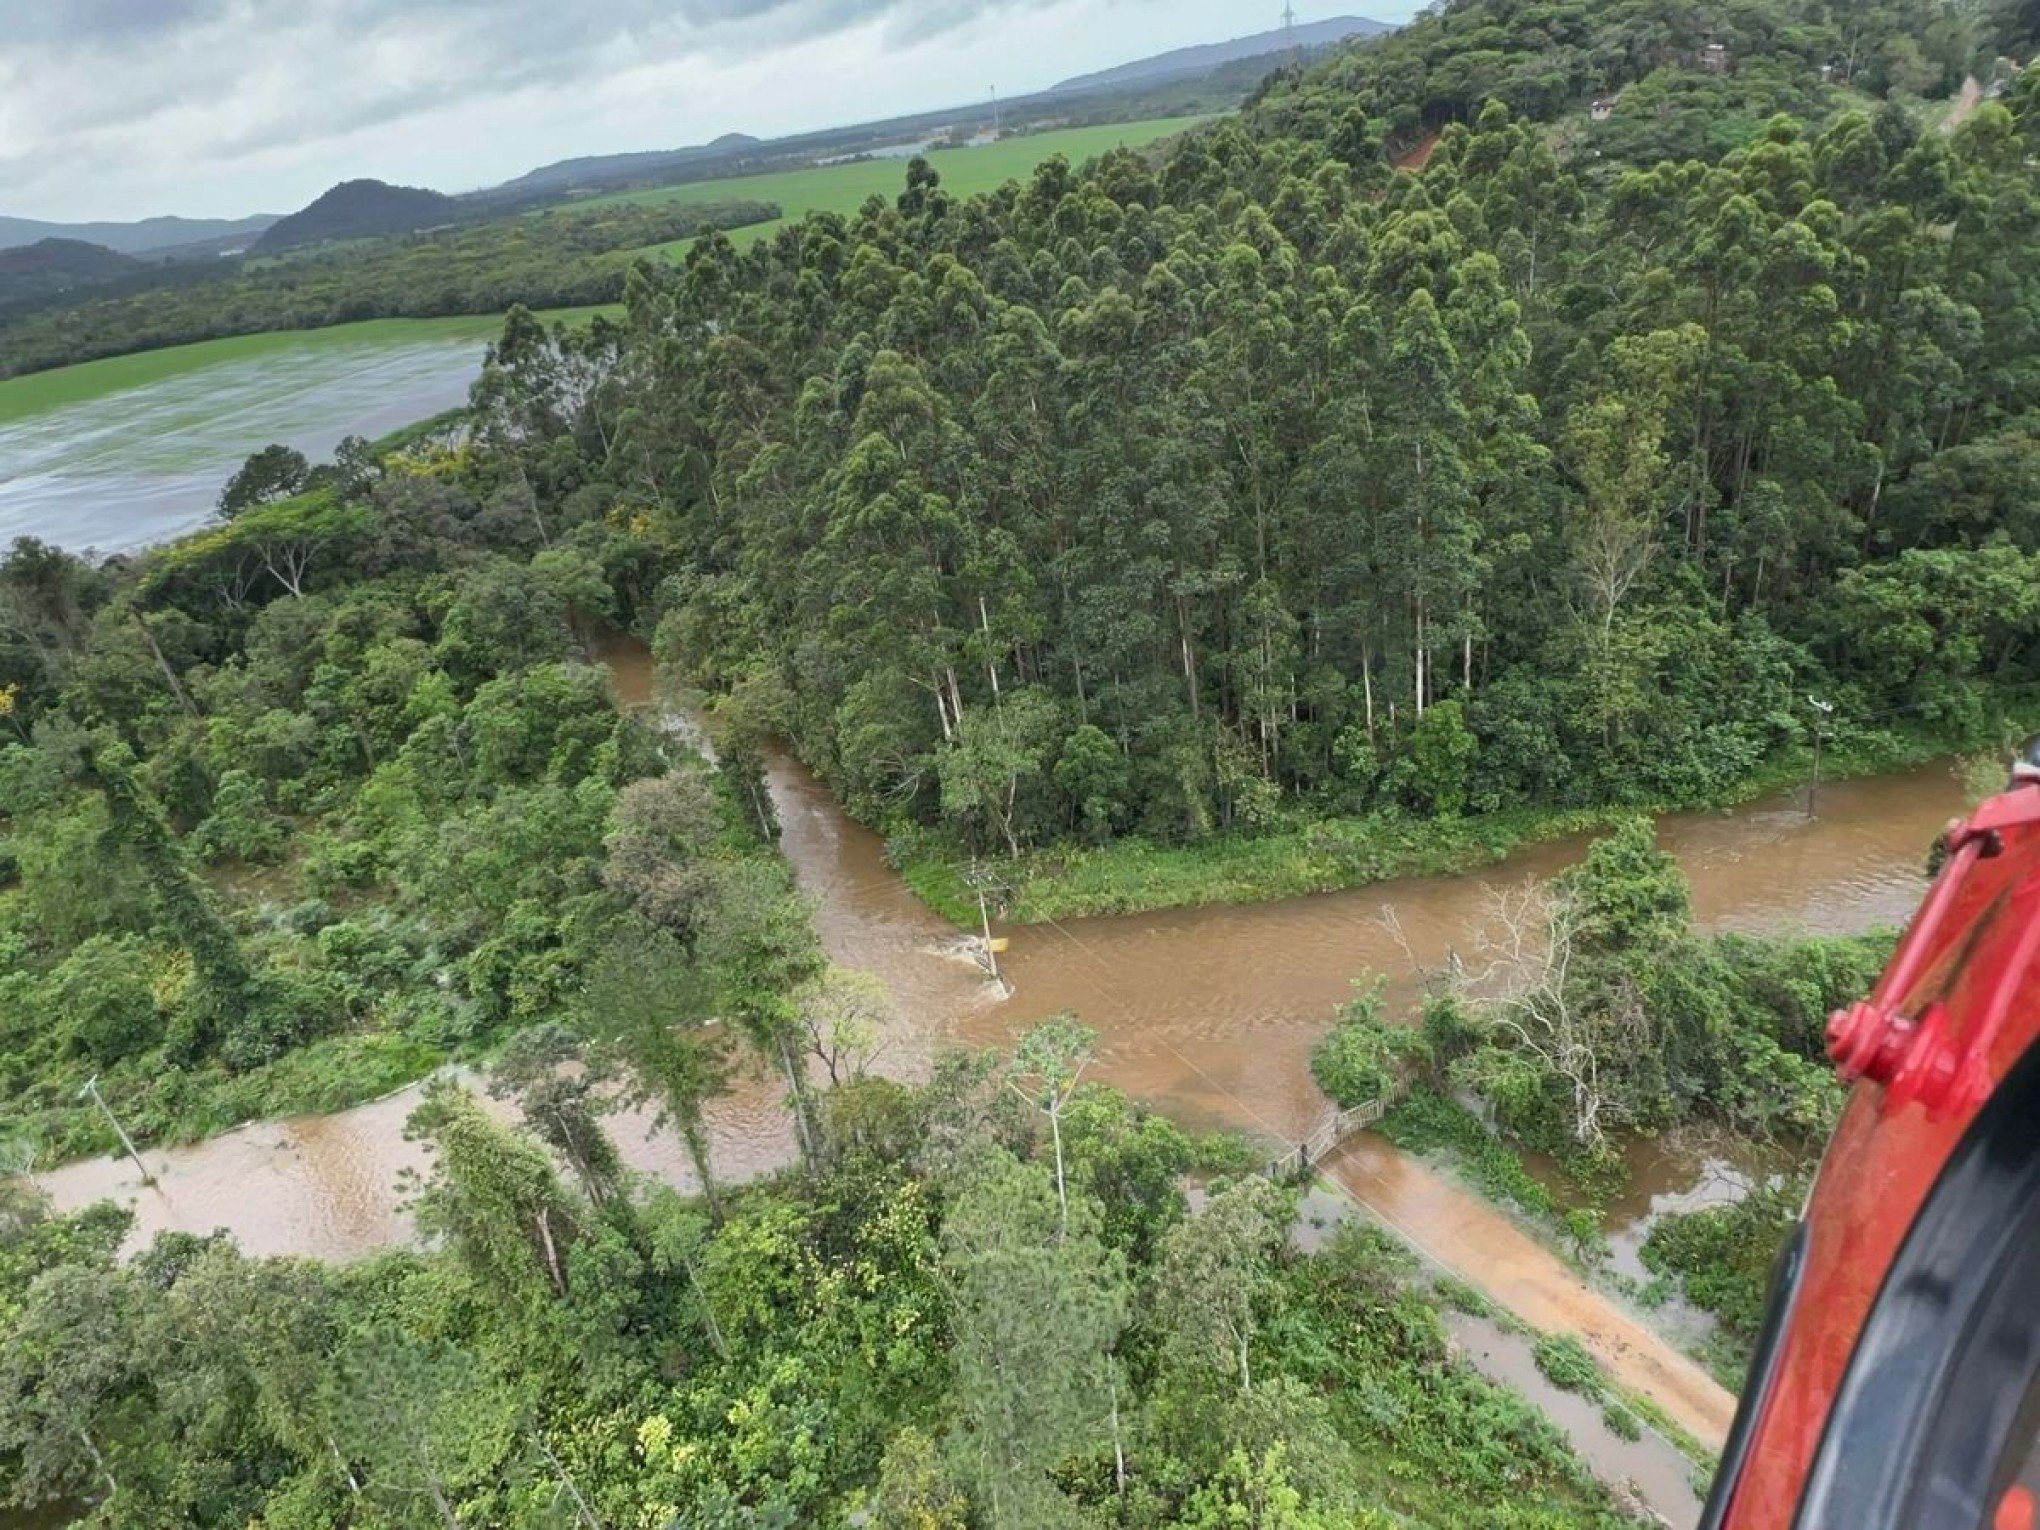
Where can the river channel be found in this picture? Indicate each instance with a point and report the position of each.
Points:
(1208, 1013)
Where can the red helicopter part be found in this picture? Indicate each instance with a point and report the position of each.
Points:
(1897, 1383)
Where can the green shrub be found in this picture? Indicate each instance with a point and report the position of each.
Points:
(1461, 1297)
(241, 826)
(1426, 1122)
(1722, 1256)
(102, 999)
(1364, 1056)
(1567, 1365)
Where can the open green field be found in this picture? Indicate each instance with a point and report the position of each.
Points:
(843, 188)
(37, 392)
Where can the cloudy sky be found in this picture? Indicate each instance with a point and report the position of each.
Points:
(127, 108)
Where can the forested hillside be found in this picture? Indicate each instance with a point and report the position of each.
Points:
(50, 267)
(1270, 483)
(1705, 76)
(1261, 494)
(358, 210)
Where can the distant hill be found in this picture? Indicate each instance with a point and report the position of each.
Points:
(32, 272)
(608, 169)
(147, 237)
(359, 210)
(1185, 62)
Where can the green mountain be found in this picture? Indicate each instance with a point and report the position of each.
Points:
(606, 169)
(49, 267)
(364, 209)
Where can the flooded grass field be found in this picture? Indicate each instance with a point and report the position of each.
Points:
(119, 453)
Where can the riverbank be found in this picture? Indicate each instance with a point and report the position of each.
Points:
(1134, 875)
(1207, 1014)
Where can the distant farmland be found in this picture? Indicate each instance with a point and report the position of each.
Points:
(843, 188)
(37, 392)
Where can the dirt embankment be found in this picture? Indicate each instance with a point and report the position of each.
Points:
(1420, 156)
(1966, 102)
(1485, 1249)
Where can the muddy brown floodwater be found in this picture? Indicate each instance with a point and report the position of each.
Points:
(1208, 1013)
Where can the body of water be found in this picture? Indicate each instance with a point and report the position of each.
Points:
(1209, 1014)
(144, 463)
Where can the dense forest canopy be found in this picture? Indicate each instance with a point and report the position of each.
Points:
(1165, 499)
(1257, 486)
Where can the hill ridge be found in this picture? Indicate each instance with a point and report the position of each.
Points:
(1200, 58)
(359, 209)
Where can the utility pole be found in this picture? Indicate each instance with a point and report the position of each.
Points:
(995, 111)
(1822, 710)
(92, 1088)
(982, 884)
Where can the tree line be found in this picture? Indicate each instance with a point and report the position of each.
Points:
(560, 258)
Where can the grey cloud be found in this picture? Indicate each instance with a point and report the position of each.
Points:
(506, 28)
(93, 23)
(102, 90)
(501, 46)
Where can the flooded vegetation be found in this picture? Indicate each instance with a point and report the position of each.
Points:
(1171, 574)
(1209, 1014)
(126, 468)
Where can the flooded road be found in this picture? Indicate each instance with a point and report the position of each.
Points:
(1468, 1238)
(1210, 1013)
(1649, 1468)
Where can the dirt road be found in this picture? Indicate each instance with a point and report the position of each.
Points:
(1482, 1247)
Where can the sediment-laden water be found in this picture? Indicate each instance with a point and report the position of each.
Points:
(1208, 1013)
